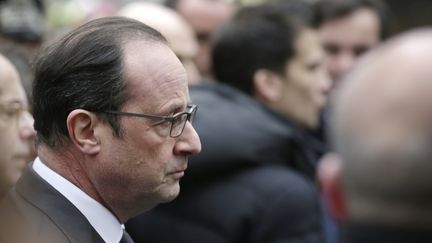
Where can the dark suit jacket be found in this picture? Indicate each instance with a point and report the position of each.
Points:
(369, 233)
(45, 215)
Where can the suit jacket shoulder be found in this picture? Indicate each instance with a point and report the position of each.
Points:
(44, 214)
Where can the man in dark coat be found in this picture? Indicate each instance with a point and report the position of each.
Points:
(113, 137)
(253, 182)
(379, 184)
(241, 187)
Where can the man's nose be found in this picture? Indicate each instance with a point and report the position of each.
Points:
(345, 62)
(26, 130)
(189, 142)
(326, 83)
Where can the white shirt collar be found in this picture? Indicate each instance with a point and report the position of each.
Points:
(102, 220)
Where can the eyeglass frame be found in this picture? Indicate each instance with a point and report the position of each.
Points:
(191, 110)
(15, 107)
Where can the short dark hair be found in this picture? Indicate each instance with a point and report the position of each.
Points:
(84, 70)
(256, 37)
(325, 10)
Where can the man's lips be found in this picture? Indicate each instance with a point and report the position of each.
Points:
(178, 173)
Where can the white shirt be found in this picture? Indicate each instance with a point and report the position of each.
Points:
(102, 220)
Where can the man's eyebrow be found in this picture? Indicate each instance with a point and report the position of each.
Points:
(175, 108)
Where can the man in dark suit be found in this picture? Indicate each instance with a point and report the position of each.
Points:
(16, 127)
(113, 120)
(348, 29)
(379, 184)
(254, 127)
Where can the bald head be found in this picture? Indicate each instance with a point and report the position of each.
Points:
(382, 128)
(205, 17)
(176, 30)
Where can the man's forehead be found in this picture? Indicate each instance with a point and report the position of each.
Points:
(150, 59)
(387, 78)
(9, 79)
(362, 24)
(152, 70)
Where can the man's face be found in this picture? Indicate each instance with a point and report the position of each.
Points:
(306, 81)
(346, 38)
(143, 167)
(16, 127)
(185, 46)
(176, 30)
(205, 16)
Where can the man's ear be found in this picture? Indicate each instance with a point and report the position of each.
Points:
(267, 85)
(81, 127)
(329, 179)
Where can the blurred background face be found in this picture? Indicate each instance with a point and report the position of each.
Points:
(186, 49)
(16, 127)
(178, 32)
(306, 81)
(346, 38)
(205, 16)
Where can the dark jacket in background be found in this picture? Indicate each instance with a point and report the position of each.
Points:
(355, 233)
(242, 187)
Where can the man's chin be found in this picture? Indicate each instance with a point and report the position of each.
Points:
(171, 194)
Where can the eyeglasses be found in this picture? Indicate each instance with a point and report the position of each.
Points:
(13, 110)
(178, 121)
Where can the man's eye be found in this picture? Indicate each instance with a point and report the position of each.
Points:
(9, 114)
(12, 110)
(161, 123)
(165, 124)
(312, 66)
(331, 49)
(359, 50)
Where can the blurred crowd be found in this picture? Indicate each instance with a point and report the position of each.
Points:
(313, 115)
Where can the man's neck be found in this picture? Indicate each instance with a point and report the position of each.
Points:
(69, 164)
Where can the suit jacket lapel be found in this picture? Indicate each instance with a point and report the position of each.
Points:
(60, 210)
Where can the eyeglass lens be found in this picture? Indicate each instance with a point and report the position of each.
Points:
(179, 122)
